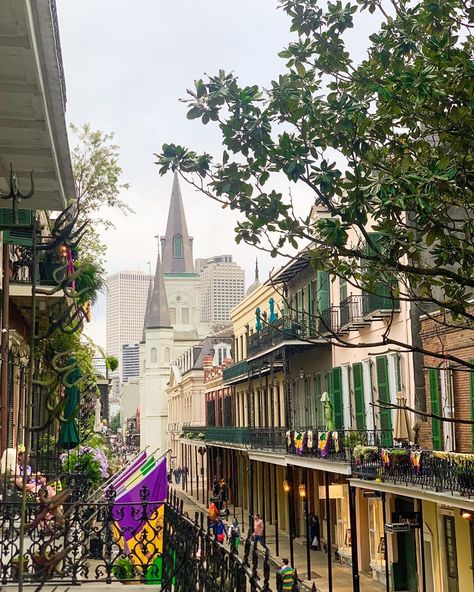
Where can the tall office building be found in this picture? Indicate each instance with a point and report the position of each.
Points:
(127, 293)
(130, 361)
(222, 287)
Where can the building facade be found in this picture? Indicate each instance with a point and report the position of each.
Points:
(130, 361)
(222, 288)
(126, 295)
(172, 322)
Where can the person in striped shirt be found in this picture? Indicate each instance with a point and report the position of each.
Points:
(287, 575)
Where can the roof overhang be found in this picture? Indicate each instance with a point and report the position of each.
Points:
(291, 269)
(33, 134)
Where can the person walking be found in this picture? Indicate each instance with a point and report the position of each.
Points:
(258, 529)
(185, 472)
(234, 534)
(220, 530)
(177, 475)
(286, 576)
(212, 515)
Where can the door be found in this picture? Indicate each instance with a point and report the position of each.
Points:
(451, 557)
(405, 574)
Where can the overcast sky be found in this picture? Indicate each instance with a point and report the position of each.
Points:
(126, 65)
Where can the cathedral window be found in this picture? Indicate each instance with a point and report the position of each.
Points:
(167, 355)
(177, 246)
(154, 357)
(173, 315)
(185, 316)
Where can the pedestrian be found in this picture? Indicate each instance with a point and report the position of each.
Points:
(224, 493)
(258, 529)
(286, 576)
(234, 534)
(220, 530)
(177, 475)
(216, 487)
(212, 515)
(185, 472)
(314, 532)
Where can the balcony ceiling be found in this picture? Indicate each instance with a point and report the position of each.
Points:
(33, 132)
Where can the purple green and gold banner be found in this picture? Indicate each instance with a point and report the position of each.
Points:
(133, 466)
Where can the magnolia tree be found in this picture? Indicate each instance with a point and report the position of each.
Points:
(385, 145)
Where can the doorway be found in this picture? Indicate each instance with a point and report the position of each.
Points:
(405, 574)
(451, 557)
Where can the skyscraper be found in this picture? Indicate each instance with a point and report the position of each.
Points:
(130, 361)
(126, 302)
(222, 287)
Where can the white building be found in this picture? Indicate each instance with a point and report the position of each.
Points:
(222, 288)
(172, 322)
(130, 361)
(127, 293)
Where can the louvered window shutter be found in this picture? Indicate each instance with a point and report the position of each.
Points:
(435, 408)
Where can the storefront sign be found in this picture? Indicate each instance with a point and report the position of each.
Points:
(395, 527)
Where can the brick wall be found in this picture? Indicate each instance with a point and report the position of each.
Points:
(460, 343)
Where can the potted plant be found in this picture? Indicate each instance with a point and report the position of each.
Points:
(124, 570)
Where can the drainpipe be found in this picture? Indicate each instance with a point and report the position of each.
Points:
(4, 348)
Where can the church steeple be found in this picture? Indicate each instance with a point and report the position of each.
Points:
(147, 310)
(177, 246)
(158, 314)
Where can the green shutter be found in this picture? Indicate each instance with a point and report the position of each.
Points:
(381, 298)
(384, 396)
(434, 400)
(323, 290)
(309, 322)
(342, 289)
(336, 394)
(318, 391)
(359, 396)
(471, 376)
(17, 236)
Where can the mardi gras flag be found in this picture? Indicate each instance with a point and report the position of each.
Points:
(126, 471)
(134, 477)
(139, 525)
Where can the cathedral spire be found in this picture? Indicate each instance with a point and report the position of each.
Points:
(256, 269)
(158, 314)
(176, 245)
(147, 310)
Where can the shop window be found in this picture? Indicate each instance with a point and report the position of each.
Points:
(376, 535)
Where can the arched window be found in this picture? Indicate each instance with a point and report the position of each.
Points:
(153, 355)
(167, 355)
(177, 246)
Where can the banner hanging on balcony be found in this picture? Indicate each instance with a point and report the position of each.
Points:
(138, 513)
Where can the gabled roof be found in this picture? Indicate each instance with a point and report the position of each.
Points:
(177, 230)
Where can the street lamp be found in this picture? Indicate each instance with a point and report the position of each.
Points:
(302, 490)
(202, 451)
(286, 486)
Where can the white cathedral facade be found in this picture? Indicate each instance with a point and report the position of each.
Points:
(172, 323)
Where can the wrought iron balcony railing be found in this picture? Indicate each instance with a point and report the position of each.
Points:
(379, 305)
(352, 312)
(330, 321)
(268, 438)
(230, 434)
(420, 468)
(284, 329)
(337, 445)
(235, 370)
(49, 271)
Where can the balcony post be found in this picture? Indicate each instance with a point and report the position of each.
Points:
(328, 530)
(306, 516)
(251, 506)
(291, 513)
(354, 550)
(197, 472)
(422, 546)
(4, 347)
(385, 540)
(275, 487)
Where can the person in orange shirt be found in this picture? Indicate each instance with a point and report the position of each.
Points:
(212, 515)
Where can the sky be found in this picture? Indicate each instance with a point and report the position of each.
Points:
(127, 64)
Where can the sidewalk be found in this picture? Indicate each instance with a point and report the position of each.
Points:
(342, 574)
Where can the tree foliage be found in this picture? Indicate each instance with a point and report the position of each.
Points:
(385, 144)
(97, 176)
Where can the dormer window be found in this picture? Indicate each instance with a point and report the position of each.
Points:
(177, 246)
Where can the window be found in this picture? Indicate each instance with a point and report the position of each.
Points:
(185, 316)
(173, 315)
(177, 246)
(153, 355)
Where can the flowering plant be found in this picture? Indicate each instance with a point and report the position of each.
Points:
(90, 462)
